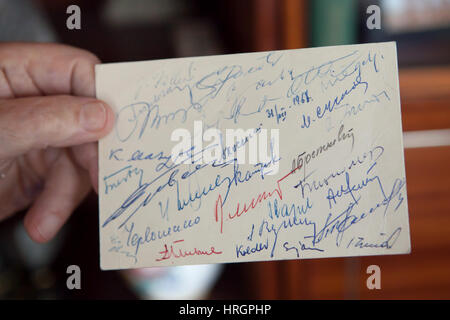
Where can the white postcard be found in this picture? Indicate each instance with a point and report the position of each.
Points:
(292, 154)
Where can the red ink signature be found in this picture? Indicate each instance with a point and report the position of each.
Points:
(171, 252)
(253, 203)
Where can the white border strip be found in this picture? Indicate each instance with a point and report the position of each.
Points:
(426, 138)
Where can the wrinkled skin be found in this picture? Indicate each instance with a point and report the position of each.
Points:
(49, 125)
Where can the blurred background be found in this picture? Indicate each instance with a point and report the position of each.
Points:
(128, 30)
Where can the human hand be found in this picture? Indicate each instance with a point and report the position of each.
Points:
(49, 123)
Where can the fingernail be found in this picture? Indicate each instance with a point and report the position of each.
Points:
(48, 226)
(93, 116)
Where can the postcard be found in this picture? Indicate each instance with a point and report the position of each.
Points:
(292, 154)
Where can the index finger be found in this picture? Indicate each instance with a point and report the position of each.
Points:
(30, 69)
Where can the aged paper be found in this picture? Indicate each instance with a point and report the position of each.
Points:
(249, 157)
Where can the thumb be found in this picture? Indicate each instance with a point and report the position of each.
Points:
(55, 121)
